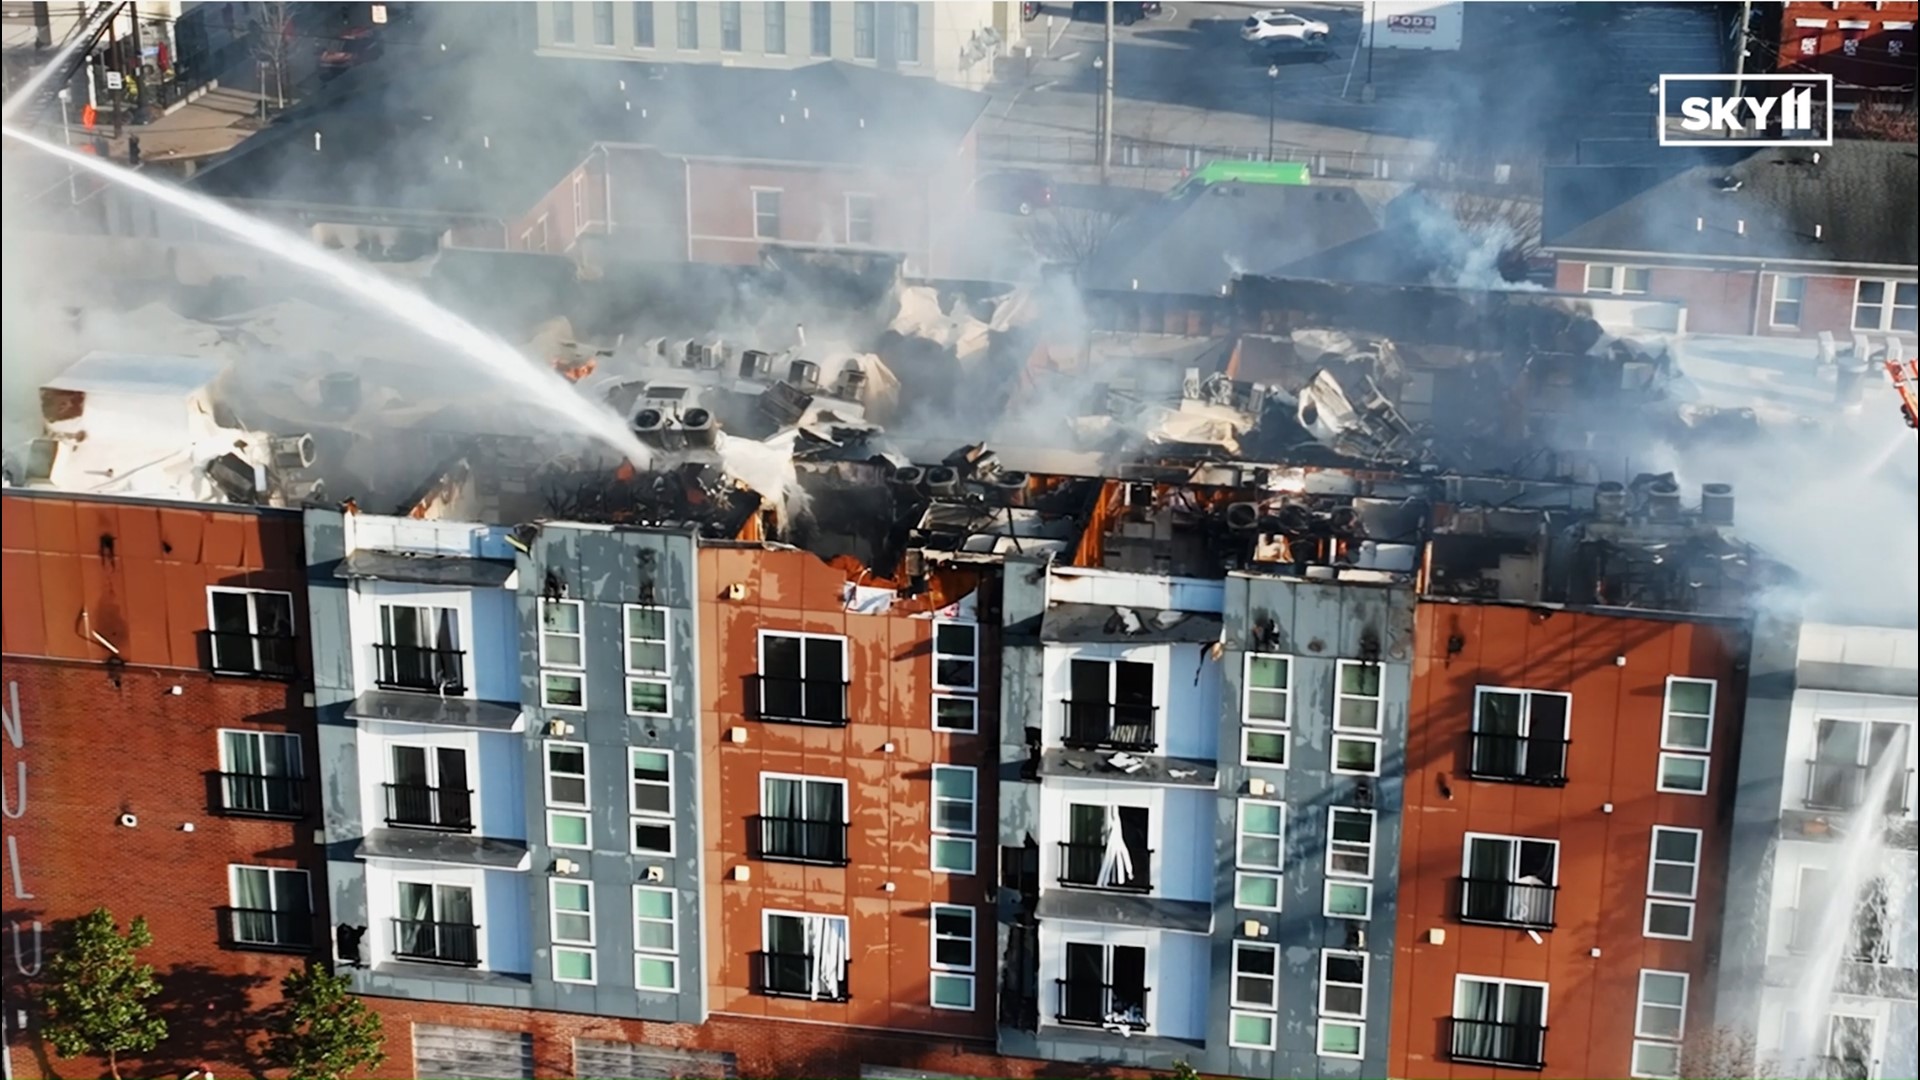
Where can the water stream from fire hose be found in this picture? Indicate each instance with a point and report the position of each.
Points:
(537, 384)
(24, 95)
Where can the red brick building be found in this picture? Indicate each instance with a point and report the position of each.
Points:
(1866, 45)
(1564, 840)
(158, 741)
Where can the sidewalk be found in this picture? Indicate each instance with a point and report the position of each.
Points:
(214, 121)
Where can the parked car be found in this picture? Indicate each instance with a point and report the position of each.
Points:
(1015, 191)
(1029, 11)
(1279, 24)
(355, 47)
(1123, 13)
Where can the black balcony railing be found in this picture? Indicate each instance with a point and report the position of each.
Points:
(1497, 902)
(417, 667)
(419, 806)
(794, 974)
(267, 655)
(437, 942)
(789, 839)
(1094, 1004)
(1100, 725)
(262, 795)
(800, 701)
(264, 928)
(1081, 865)
(1842, 785)
(1518, 759)
(1868, 942)
(1491, 1042)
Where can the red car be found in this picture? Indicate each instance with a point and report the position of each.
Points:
(1015, 191)
(355, 47)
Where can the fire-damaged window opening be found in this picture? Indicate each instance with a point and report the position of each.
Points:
(804, 955)
(1259, 854)
(1520, 736)
(860, 218)
(1499, 1022)
(956, 796)
(250, 631)
(562, 647)
(1350, 838)
(419, 649)
(271, 907)
(953, 957)
(1509, 881)
(1111, 706)
(1357, 709)
(802, 678)
(803, 819)
(650, 799)
(1343, 1004)
(1618, 280)
(1673, 882)
(766, 213)
(1659, 1024)
(1105, 986)
(261, 773)
(569, 817)
(649, 685)
(1256, 987)
(1686, 735)
(1107, 848)
(656, 939)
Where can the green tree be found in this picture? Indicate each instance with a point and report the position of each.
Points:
(96, 992)
(321, 1031)
(1184, 1071)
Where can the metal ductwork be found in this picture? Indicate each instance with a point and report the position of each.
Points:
(908, 477)
(804, 375)
(1663, 501)
(1610, 501)
(650, 426)
(1716, 504)
(1012, 487)
(291, 452)
(942, 481)
(698, 428)
(1243, 515)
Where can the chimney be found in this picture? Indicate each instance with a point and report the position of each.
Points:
(1740, 226)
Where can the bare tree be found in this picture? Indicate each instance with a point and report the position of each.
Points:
(1501, 227)
(1886, 119)
(1722, 1053)
(273, 48)
(1068, 235)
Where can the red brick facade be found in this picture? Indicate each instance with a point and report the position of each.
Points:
(1729, 301)
(1861, 43)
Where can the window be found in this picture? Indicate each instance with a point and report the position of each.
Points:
(790, 944)
(803, 678)
(1509, 881)
(766, 213)
(1349, 899)
(1618, 280)
(1256, 986)
(643, 25)
(1520, 736)
(435, 924)
(860, 219)
(1672, 880)
(1106, 848)
(1871, 939)
(562, 23)
(803, 819)
(730, 26)
(429, 789)
(603, 23)
(535, 237)
(1499, 1022)
(580, 222)
(648, 683)
(572, 927)
(1687, 731)
(1844, 754)
(1809, 45)
(1357, 709)
(863, 19)
(1349, 855)
(419, 649)
(820, 27)
(1105, 986)
(906, 27)
(1788, 292)
(651, 800)
(656, 940)
(250, 631)
(687, 30)
(1267, 748)
(954, 811)
(1343, 1004)
(271, 907)
(1885, 305)
(562, 646)
(956, 645)
(1110, 706)
(953, 938)
(775, 43)
(260, 773)
(1265, 696)
(1851, 1046)
(1660, 1024)
(566, 768)
(960, 715)
(1259, 851)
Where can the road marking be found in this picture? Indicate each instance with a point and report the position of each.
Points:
(1042, 86)
(1070, 57)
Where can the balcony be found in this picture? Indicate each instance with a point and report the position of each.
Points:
(265, 928)
(1080, 866)
(1842, 786)
(1518, 759)
(418, 806)
(1491, 1042)
(1495, 902)
(1100, 725)
(437, 942)
(793, 974)
(259, 795)
(269, 656)
(786, 700)
(1868, 944)
(788, 839)
(420, 668)
(1102, 1005)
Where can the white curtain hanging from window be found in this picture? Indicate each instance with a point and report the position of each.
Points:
(1116, 863)
(826, 956)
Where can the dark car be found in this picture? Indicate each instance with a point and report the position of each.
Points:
(1126, 14)
(355, 47)
(1016, 191)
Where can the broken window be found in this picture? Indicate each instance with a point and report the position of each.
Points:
(250, 631)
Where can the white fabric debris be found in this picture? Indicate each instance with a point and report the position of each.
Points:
(826, 956)
(866, 600)
(1116, 862)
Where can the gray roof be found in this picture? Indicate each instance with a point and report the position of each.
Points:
(421, 845)
(454, 570)
(1065, 623)
(388, 705)
(1126, 909)
(1200, 241)
(1852, 206)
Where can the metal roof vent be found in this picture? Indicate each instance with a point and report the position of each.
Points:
(1729, 183)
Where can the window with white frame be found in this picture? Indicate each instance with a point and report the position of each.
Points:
(568, 823)
(1349, 888)
(651, 800)
(1111, 705)
(1845, 752)
(1885, 305)
(1852, 1042)
(436, 923)
(1509, 880)
(1255, 1022)
(572, 927)
(953, 956)
(271, 907)
(860, 218)
(956, 676)
(1265, 737)
(906, 27)
(250, 631)
(1259, 854)
(580, 222)
(766, 213)
(419, 649)
(958, 714)
(563, 655)
(1356, 719)
(261, 773)
(1499, 1021)
(803, 819)
(803, 678)
(1789, 291)
(1343, 1004)
(656, 939)
(643, 25)
(1618, 280)
(955, 808)
(1660, 1024)
(1673, 883)
(1520, 735)
(1686, 736)
(804, 955)
(562, 22)
(649, 685)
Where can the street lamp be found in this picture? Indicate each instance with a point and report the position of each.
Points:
(1273, 86)
(66, 136)
(1099, 107)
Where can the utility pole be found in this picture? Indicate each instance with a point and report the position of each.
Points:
(1106, 103)
(1740, 48)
